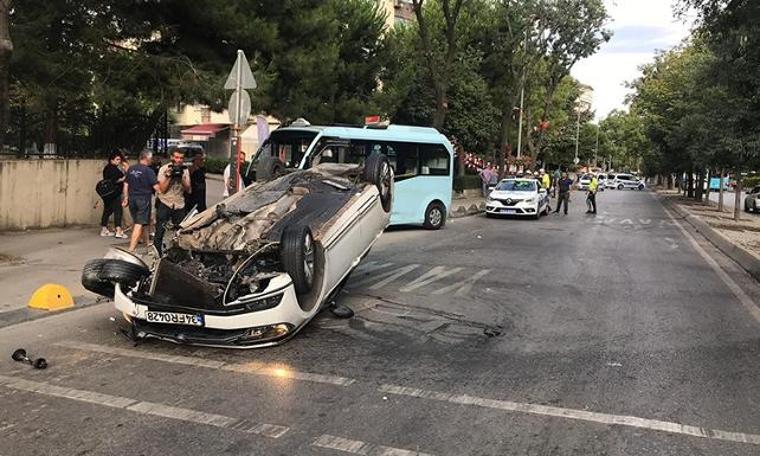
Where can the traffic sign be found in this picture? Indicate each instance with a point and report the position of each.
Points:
(576, 160)
(245, 107)
(242, 68)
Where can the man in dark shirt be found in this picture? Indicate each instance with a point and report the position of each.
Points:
(197, 195)
(139, 189)
(564, 185)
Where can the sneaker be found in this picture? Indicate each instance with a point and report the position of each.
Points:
(121, 235)
(105, 233)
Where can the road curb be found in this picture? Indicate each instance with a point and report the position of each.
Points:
(14, 317)
(467, 210)
(745, 259)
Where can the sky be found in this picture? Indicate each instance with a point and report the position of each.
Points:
(640, 28)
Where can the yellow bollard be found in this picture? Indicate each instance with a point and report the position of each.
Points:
(51, 296)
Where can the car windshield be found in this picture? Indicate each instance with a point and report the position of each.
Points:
(288, 145)
(517, 186)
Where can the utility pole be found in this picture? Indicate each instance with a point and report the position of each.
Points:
(576, 160)
(596, 148)
(522, 95)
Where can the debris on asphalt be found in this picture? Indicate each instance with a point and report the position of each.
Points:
(20, 356)
(341, 311)
(614, 365)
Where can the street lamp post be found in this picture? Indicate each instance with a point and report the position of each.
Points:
(596, 148)
(577, 135)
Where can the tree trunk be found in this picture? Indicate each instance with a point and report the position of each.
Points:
(699, 191)
(720, 190)
(690, 185)
(670, 181)
(738, 196)
(6, 49)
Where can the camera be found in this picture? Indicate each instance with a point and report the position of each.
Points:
(177, 170)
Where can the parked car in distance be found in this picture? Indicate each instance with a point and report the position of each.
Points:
(630, 181)
(752, 200)
(254, 269)
(523, 197)
(584, 181)
(609, 182)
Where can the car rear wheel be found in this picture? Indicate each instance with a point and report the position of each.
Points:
(377, 170)
(620, 186)
(435, 216)
(297, 256)
(641, 187)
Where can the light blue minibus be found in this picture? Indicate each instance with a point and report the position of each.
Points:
(422, 160)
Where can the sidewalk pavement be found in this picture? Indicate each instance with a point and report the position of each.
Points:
(30, 259)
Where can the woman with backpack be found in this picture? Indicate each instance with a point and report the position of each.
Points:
(110, 190)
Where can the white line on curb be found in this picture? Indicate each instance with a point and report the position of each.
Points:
(571, 414)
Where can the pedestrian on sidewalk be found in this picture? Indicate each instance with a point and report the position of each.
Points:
(564, 185)
(591, 196)
(197, 196)
(227, 176)
(113, 173)
(486, 175)
(173, 182)
(139, 188)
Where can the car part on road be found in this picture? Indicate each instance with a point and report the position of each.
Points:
(341, 311)
(297, 256)
(91, 279)
(20, 356)
(435, 216)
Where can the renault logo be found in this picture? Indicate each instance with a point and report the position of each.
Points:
(509, 200)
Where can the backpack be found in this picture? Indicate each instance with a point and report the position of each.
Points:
(105, 189)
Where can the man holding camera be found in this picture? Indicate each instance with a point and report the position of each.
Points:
(173, 183)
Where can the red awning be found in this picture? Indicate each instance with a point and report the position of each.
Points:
(209, 130)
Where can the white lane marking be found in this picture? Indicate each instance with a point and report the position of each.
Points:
(255, 368)
(358, 447)
(464, 286)
(626, 222)
(437, 273)
(745, 300)
(572, 414)
(387, 277)
(645, 221)
(145, 408)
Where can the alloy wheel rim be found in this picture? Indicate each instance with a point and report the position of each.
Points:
(435, 216)
(308, 259)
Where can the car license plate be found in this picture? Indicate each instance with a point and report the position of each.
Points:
(509, 211)
(174, 318)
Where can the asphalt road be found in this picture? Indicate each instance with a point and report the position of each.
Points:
(607, 335)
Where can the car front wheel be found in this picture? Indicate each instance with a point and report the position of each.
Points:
(435, 216)
(620, 186)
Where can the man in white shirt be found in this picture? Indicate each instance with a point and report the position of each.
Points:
(228, 176)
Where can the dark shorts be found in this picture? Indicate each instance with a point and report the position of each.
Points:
(139, 208)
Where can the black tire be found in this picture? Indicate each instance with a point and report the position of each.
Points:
(297, 255)
(435, 216)
(91, 280)
(746, 208)
(377, 170)
(122, 272)
(641, 187)
(620, 186)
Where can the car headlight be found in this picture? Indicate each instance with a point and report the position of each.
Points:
(531, 200)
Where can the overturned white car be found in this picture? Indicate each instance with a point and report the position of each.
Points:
(255, 268)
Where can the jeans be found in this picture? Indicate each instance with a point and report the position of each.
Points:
(163, 215)
(563, 197)
(591, 202)
(112, 206)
